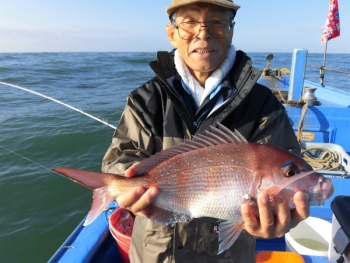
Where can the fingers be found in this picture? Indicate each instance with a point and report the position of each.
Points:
(137, 199)
(251, 222)
(145, 200)
(267, 220)
(267, 225)
(130, 172)
(261, 226)
(283, 217)
(128, 199)
(302, 209)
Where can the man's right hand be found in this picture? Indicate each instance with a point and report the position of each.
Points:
(138, 198)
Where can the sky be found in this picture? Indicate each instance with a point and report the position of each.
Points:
(139, 26)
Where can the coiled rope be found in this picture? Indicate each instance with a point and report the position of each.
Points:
(324, 159)
(318, 158)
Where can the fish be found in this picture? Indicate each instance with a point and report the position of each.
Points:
(211, 175)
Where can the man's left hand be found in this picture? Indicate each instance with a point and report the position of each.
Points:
(268, 225)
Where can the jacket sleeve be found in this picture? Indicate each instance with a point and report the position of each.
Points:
(261, 118)
(275, 129)
(131, 142)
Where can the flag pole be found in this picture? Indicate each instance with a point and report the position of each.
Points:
(323, 65)
(331, 30)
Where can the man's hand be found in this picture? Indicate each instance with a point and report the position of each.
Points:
(269, 225)
(138, 198)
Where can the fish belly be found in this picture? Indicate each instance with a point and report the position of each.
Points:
(207, 191)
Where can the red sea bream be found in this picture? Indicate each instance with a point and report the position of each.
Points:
(209, 176)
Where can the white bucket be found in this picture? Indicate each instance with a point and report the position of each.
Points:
(310, 237)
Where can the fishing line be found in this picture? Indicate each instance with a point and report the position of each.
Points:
(59, 102)
(54, 100)
(38, 164)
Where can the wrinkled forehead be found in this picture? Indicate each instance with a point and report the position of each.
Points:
(201, 8)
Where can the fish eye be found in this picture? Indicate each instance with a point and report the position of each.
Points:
(291, 173)
(289, 169)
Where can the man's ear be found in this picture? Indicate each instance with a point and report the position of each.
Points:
(232, 32)
(170, 30)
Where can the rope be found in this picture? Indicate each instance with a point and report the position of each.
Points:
(276, 86)
(319, 158)
(282, 100)
(301, 122)
(324, 159)
(292, 102)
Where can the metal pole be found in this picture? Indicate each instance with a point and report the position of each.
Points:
(323, 65)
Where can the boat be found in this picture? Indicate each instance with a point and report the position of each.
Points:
(321, 118)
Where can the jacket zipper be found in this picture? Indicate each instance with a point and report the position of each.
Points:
(182, 103)
(234, 96)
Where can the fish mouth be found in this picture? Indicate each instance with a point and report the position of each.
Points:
(323, 190)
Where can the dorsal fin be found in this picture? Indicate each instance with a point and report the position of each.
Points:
(215, 136)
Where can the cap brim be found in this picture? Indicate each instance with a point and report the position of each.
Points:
(224, 3)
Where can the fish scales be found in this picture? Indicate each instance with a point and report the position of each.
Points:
(192, 185)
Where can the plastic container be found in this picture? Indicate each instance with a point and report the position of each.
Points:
(310, 237)
(278, 257)
(120, 226)
(339, 250)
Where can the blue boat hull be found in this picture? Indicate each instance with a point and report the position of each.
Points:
(94, 243)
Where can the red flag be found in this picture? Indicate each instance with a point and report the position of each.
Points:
(332, 28)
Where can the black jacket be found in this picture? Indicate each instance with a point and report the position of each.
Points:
(159, 115)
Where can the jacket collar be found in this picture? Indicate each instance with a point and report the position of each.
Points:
(242, 77)
(164, 68)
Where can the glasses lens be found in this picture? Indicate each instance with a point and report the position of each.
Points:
(189, 30)
(217, 29)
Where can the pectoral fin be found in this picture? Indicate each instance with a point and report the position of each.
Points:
(228, 233)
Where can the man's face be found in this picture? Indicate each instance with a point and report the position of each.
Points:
(202, 54)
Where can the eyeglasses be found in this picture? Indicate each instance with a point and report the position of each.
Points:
(191, 29)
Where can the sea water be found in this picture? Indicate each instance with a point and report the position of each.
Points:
(39, 208)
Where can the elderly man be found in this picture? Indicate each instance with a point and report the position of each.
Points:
(203, 81)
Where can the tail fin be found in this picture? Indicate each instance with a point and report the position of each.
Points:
(88, 179)
(98, 182)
